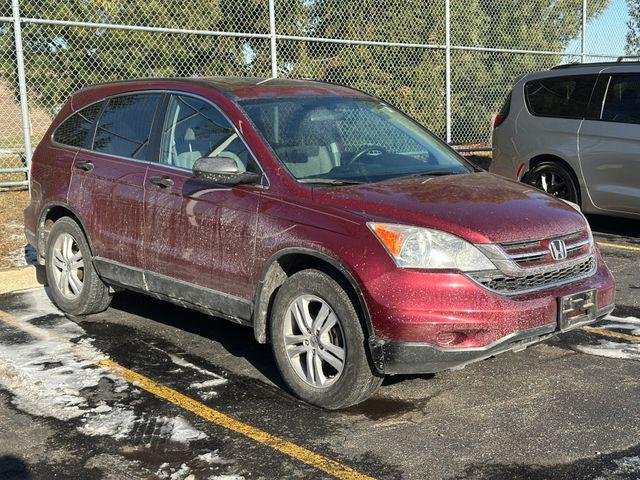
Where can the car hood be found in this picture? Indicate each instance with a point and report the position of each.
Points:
(478, 207)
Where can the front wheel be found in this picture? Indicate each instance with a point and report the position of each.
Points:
(555, 179)
(318, 342)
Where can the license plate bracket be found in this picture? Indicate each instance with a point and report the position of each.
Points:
(576, 309)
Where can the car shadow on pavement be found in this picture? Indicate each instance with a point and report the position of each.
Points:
(624, 227)
(237, 340)
(13, 468)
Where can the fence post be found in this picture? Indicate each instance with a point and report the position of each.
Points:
(22, 85)
(447, 62)
(272, 27)
(583, 51)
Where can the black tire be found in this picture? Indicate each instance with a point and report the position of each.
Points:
(567, 187)
(94, 295)
(358, 380)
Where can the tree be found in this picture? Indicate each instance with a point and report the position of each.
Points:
(633, 33)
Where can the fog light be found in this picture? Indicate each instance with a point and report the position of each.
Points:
(448, 339)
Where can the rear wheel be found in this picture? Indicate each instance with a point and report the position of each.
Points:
(74, 283)
(318, 342)
(555, 179)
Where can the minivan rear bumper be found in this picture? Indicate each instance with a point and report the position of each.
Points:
(393, 357)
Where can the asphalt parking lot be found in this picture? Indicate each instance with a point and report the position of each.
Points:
(150, 390)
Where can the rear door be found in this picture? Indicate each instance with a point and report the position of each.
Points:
(108, 177)
(609, 144)
(197, 232)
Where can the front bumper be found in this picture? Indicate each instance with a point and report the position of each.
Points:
(396, 357)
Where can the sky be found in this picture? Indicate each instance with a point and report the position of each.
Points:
(607, 33)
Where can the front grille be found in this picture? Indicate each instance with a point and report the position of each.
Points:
(512, 285)
(532, 253)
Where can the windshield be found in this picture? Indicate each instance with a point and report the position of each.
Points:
(349, 139)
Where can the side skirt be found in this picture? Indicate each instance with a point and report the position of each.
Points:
(206, 300)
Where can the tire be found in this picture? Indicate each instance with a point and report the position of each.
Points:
(317, 293)
(82, 291)
(554, 179)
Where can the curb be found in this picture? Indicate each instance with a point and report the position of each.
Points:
(20, 279)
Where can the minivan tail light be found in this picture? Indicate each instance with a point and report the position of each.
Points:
(501, 116)
(498, 119)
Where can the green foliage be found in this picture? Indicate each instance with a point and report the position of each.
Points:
(633, 33)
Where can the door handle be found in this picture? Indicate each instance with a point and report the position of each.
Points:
(84, 165)
(163, 182)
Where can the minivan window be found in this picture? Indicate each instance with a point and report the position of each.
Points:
(565, 97)
(349, 139)
(622, 103)
(125, 125)
(194, 129)
(76, 131)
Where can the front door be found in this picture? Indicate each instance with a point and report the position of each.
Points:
(609, 147)
(196, 232)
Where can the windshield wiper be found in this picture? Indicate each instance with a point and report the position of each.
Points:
(432, 173)
(330, 181)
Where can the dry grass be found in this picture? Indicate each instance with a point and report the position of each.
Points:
(12, 240)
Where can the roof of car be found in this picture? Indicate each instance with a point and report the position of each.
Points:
(241, 88)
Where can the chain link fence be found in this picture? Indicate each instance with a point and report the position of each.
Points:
(448, 63)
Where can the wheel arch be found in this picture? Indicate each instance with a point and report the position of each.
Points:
(288, 261)
(50, 213)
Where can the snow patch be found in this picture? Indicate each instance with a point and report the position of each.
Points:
(183, 432)
(213, 458)
(116, 422)
(54, 371)
(205, 388)
(606, 348)
(208, 383)
(183, 363)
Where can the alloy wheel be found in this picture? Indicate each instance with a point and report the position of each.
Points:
(314, 341)
(68, 266)
(553, 183)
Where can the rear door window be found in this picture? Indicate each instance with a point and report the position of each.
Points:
(564, 97)
(622, 103)
(124, 127)
(77, 130)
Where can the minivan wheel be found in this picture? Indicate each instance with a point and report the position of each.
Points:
(318, 342)
(555, 179)
(74, 284)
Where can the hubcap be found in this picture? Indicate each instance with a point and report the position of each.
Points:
(314, 341)
(68, 266)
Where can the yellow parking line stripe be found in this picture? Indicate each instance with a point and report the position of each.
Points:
(291, 449)
(313, 459)
(620, 247)
(610, 333)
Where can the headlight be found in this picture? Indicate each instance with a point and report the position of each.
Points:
(415, 247)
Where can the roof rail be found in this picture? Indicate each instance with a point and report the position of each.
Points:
(628, 57)
(596, 64)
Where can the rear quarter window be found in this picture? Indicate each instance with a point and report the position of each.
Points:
(77, 130)
(564, 97)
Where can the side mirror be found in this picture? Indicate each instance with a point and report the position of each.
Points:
(222, 171)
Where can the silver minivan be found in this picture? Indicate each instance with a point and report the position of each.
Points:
(574, 132)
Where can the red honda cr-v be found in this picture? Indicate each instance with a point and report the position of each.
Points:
(339, 229)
